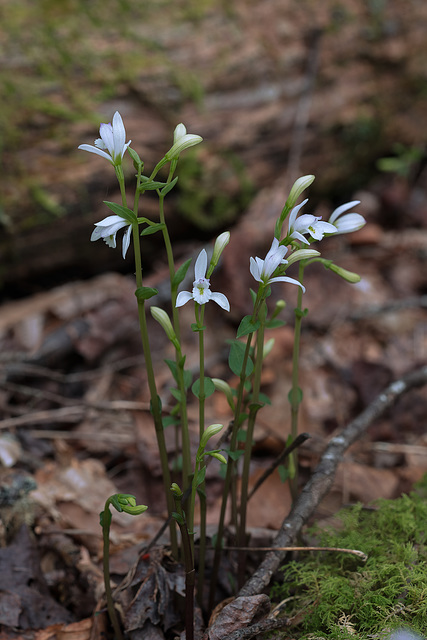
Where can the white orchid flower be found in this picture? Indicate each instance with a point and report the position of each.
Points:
(307, 223)
(182, 140)
(112, 140)
(201, 292)
(348, 223)
(262, 270)
(107, 230)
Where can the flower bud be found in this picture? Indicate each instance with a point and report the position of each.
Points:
(176, 490)
(221, 385)
(181, 141)
(220, 243)
(218, 456)
(349, 276)
(163, 319)
(298, 187)
(302, 254)
(209, 432)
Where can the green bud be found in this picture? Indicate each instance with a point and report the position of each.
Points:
(221, 385)
(218, 456)
(181, 141)
(220, 243)
(209, 432)
(349, 276)
(176, 490)
(302, 254)
(298, 187)
(163, 319)
(268, 347)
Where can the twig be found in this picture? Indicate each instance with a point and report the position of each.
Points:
(321, 481)
(299, 440)
(354, 552)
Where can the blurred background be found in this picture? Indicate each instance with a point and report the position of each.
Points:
(277, 89)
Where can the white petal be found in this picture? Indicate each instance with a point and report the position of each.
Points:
(350, 222)
(179, 132)
(221, 299)
(344, 207)
(182, 298)
(255, 270)
(297, 236)
(110, 220)
(106, 133)
(92, 149)
(286, 279)
(126, 240)
(119, 134)
(294, 213)
(201, 265)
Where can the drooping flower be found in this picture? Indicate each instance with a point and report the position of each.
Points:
(201, 292)
(307, 223)
(107, 230)
(182, 140)
(111, 145)
(262, 270)
(348, 223)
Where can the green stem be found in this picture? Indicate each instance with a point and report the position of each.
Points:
(155, 401)
(106, 523)
(202, 489)
(185, 434)
(190, 577)
(295, 395)
(253, 410)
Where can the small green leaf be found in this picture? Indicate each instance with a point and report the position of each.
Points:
(145, 293)
(235, 455)
(275, 323)
(152, 228)
(236, 357)
(180, 274)
(195, 327)
(283, 472)
(200, 478)
(188, 379)
(168, 187)
(209, 387)
(264, 398)
(168, 421)
(299, 396)
(247, 326)
(176, 394)
(178, 517)
(123, 212)
(137, 162)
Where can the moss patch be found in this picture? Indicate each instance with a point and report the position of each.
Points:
(343, 598)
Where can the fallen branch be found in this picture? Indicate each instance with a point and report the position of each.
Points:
(321, 481)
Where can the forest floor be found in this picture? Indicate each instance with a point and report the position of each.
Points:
(75, 422)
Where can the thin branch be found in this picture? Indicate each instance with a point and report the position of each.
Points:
(321, 481)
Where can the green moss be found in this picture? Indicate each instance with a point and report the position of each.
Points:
(347, 599)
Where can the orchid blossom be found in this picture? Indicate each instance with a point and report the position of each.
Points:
(182, 140)
(307, 223)
(111, 145)
(201, 292)
(262, 270)
(107, 230)
(348, 223)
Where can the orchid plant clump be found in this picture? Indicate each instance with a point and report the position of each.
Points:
(291, 243)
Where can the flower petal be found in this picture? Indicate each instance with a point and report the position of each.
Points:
(344, 207)
(201, 265)
(126, 240)
(221, 299)
(255, 269)
(286, 279)
(119, 135)
(182, 298)
(92, 149)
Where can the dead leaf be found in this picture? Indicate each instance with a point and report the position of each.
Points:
(240, 613)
